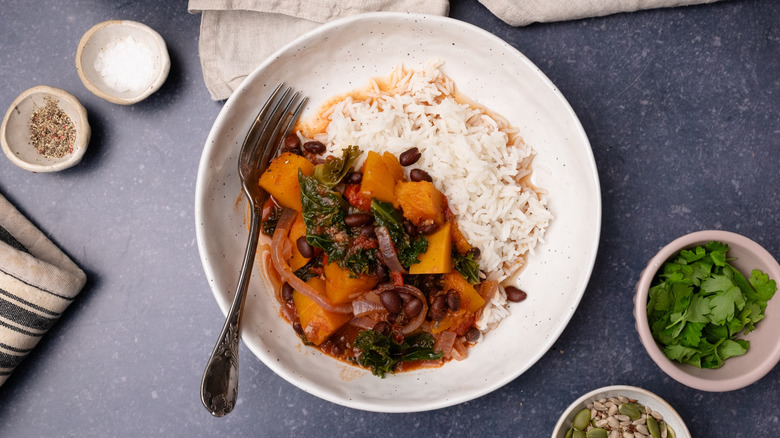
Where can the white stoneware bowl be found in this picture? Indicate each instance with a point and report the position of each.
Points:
(643, 396)
(764, 351)
(103, 35)
(330, 61)
(15, 130)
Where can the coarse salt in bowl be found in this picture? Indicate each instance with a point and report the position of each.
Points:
(122, 61)
(738, 371)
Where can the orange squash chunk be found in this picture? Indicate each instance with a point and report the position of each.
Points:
(378, 182)
(317, 323)
(461, 243)
(341, 287)
(470, 299)
(393, 166)
(470, 302)
(421, 202)
(438, 258)
(280, 180)
(297, 231)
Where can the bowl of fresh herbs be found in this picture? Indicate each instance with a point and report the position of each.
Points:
(704, 310)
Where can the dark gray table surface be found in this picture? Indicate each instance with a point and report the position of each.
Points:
(682, 108)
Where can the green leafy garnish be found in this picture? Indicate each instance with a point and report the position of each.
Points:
(382, 354)
(385, 215)
(332, 172)
(700, 303)
(466, 265)
(323, 214)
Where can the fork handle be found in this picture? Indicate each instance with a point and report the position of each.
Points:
(219, 386)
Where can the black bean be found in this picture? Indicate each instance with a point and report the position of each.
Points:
(380, 272)
(382, 327)
(514, 294)
(287, 292)
(409, 157)
(314, 147)
(367, 231)
(453, 300)
(412, 307)
(355, 178)
(438, 308)
(391, 301)
(472, 334)
(475, 252)
(292, 142)
(405, 296)
(428, 228)
(410, 229)
(392, 318)
(418, 175)
(304, 247)
(298, 327)
(358, 219)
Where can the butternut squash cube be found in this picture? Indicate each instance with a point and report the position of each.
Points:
(470, 299)
(393, 166)
(280, 180)
(470, 302)
(378, 182)
(461, 243)
(297, 231)
(341, 287)
(421, 202)
(438, 258)
(317, 323)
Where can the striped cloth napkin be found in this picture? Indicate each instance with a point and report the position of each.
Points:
(37, 282)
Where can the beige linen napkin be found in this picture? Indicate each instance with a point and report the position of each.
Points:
(524, 12)
(237, 35)
(37, 282)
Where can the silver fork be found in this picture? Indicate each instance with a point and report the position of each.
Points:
(219, 386)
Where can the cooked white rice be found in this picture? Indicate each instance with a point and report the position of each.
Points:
(468, 153)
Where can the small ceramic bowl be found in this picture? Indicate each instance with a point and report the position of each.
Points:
(764, 351)
(642, 396)
(15, 130)
(122, 61)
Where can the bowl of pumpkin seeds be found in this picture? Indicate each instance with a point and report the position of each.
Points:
(620, 411)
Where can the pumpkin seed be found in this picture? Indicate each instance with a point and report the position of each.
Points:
(578, 434)
(631, 410)
(569, 433)
(597, 433)
(652, 426)
(581, 420)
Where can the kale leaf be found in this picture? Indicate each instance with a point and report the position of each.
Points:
(385, 215)
(382, 354)
(466, 265)
(332, 172)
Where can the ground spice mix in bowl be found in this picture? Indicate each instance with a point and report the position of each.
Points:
(45, 130)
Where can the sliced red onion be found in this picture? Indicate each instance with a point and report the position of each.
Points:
(387, 249)
(444, 343)
(363, 322)
(277, 257)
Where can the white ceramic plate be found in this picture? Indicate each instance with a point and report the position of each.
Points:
(339, 57)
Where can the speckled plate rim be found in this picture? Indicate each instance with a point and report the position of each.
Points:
(642, 395)
(558, 271)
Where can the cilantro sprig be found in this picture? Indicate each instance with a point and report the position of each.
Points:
(700, 303)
